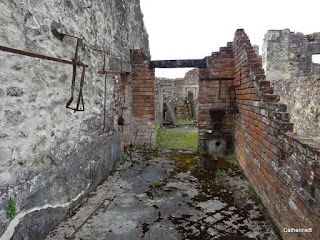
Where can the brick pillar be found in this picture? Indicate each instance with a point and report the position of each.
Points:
(143, 99)
(215, 94)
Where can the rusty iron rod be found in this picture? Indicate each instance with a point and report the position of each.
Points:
(35, 55)
(104, 104)
(113, 72)
(84, 222)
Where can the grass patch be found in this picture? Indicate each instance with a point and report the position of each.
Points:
(173, 139)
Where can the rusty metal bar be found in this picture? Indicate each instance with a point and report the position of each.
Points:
(113, 72)
(185, 63)
(35, 55)
(71, 236)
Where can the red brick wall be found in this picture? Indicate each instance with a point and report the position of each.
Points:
(220, 64)
(283, 167)
(143, 99)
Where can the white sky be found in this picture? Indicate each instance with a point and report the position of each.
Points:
(192, 29)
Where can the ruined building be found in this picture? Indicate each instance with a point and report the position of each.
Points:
(182, 93)
(93, 58)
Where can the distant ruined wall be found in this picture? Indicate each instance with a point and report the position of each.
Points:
(176, 91)
(50, 156)
(287, 54)
(287, 61)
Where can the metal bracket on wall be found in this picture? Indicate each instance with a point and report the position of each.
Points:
(233, 109)
(74, 74)
(75, 63)
(104, 72)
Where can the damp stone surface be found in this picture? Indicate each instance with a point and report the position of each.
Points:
(168, 196)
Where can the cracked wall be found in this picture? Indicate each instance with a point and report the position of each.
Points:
(49, 154)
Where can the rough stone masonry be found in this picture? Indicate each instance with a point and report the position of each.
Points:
(287, 61)
(50, 156)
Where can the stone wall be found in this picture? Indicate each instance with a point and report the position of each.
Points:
(288, 55)
(302, 95)
(283, 167)
(50, 156)
(287, 61)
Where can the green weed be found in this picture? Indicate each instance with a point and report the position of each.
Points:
(125, 156)
(157, 182)
(11, 208)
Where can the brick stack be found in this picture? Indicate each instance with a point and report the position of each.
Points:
(143, 99)
(284, 168)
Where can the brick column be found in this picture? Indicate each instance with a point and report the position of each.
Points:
(143, 99)
(215, 94)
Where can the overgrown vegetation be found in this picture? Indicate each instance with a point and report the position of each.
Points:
(157, 182)
(11, 208)
(174, 139)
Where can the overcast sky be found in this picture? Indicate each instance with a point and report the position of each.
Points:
(192, 29)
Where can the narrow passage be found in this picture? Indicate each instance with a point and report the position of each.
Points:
(167, 195)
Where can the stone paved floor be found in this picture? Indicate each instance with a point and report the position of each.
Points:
(189, 203)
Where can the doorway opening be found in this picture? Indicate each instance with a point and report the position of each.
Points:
(177, 109)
